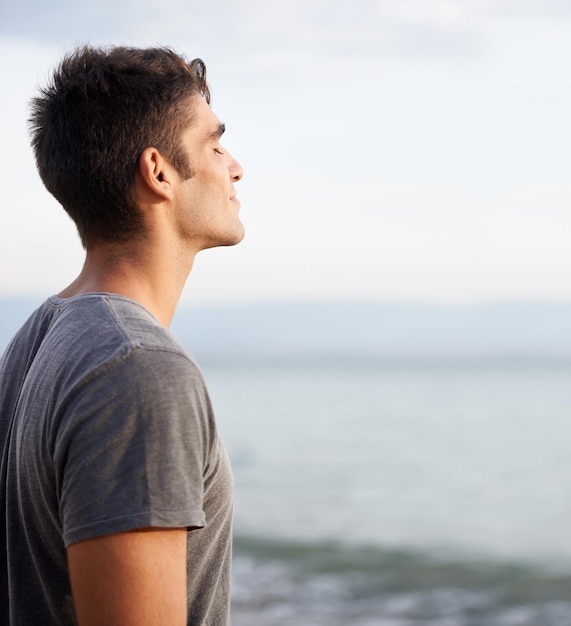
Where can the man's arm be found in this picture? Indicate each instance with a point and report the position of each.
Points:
(137, 578)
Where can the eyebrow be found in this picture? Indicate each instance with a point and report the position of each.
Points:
(216, 134)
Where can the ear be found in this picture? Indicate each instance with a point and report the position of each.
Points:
(156, 174)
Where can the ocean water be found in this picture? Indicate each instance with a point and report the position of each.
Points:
(398, 494)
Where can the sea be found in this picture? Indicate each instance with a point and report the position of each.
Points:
(371, 493)
(378, 490)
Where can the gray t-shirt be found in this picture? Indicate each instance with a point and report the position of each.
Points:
(105, 426)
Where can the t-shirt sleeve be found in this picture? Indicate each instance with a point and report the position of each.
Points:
(132, 446)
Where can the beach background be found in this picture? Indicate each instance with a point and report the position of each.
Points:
(423, 483)
(388, 351)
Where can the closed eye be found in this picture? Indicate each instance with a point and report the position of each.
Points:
(218, 151)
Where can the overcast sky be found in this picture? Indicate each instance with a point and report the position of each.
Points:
(412, 150)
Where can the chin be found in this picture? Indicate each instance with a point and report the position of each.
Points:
(237, 236)
(228, 239)
(235, 240)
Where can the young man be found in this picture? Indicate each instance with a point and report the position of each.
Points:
(115, 490)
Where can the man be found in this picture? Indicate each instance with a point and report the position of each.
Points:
(116, 493)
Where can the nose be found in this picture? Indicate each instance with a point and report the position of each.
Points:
(235, 169)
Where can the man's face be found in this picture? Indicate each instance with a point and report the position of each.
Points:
(208, 206)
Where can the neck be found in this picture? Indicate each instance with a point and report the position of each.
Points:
(148, 274)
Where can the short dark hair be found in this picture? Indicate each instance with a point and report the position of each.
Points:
(91, 123)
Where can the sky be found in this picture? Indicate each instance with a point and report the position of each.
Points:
(401, 150)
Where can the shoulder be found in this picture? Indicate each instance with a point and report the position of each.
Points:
(99, 331)
(102, 342)
(115, 348)
(122, 319)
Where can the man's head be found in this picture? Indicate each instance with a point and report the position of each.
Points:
(89, 126)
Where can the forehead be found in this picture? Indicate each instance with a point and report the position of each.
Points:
(205, 123)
